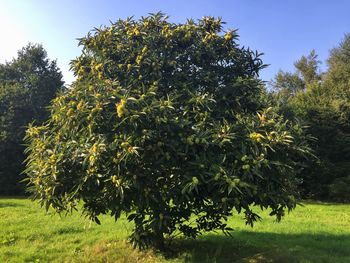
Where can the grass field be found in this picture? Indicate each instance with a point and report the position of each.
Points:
(313, 233)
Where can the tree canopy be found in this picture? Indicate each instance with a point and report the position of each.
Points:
(165, 123)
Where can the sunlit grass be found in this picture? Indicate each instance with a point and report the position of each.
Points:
(313, 233)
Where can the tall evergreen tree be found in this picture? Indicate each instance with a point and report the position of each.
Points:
(27, 84)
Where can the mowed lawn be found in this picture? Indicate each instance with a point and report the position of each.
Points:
(313, 233)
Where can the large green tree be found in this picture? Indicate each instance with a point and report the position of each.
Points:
(165, 123)
(27, 84)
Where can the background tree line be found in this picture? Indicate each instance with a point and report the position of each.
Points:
(320, 100)
(27, 85)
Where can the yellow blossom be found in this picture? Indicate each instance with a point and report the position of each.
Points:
(138, 59)
(70, 113)
(228, 36)
(114, 179)
(256, 136)
(92, 159)
(121, 108)
(94, 149)
(80, 105)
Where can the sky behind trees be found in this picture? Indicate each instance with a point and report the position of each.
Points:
(283, 30)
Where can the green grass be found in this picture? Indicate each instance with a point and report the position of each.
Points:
(313, 233)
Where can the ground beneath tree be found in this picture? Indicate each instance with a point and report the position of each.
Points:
(313, 233)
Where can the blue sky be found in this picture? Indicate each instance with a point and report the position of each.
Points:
(282, 30)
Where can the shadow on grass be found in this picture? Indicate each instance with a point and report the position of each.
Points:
(326, 203)
(9, 204)
(262, 247)
(67, 230)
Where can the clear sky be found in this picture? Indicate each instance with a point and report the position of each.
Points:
(283, 30)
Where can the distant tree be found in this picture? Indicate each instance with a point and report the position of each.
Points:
(27, 84)
(307, 67)
(324, 106)
(286, 85)
(337, 81)
(165, 123)
(339, 56)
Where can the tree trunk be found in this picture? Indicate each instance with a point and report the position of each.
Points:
(159, 239)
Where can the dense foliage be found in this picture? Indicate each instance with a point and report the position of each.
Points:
(27, 84)
(165, 123)
(324, 105)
